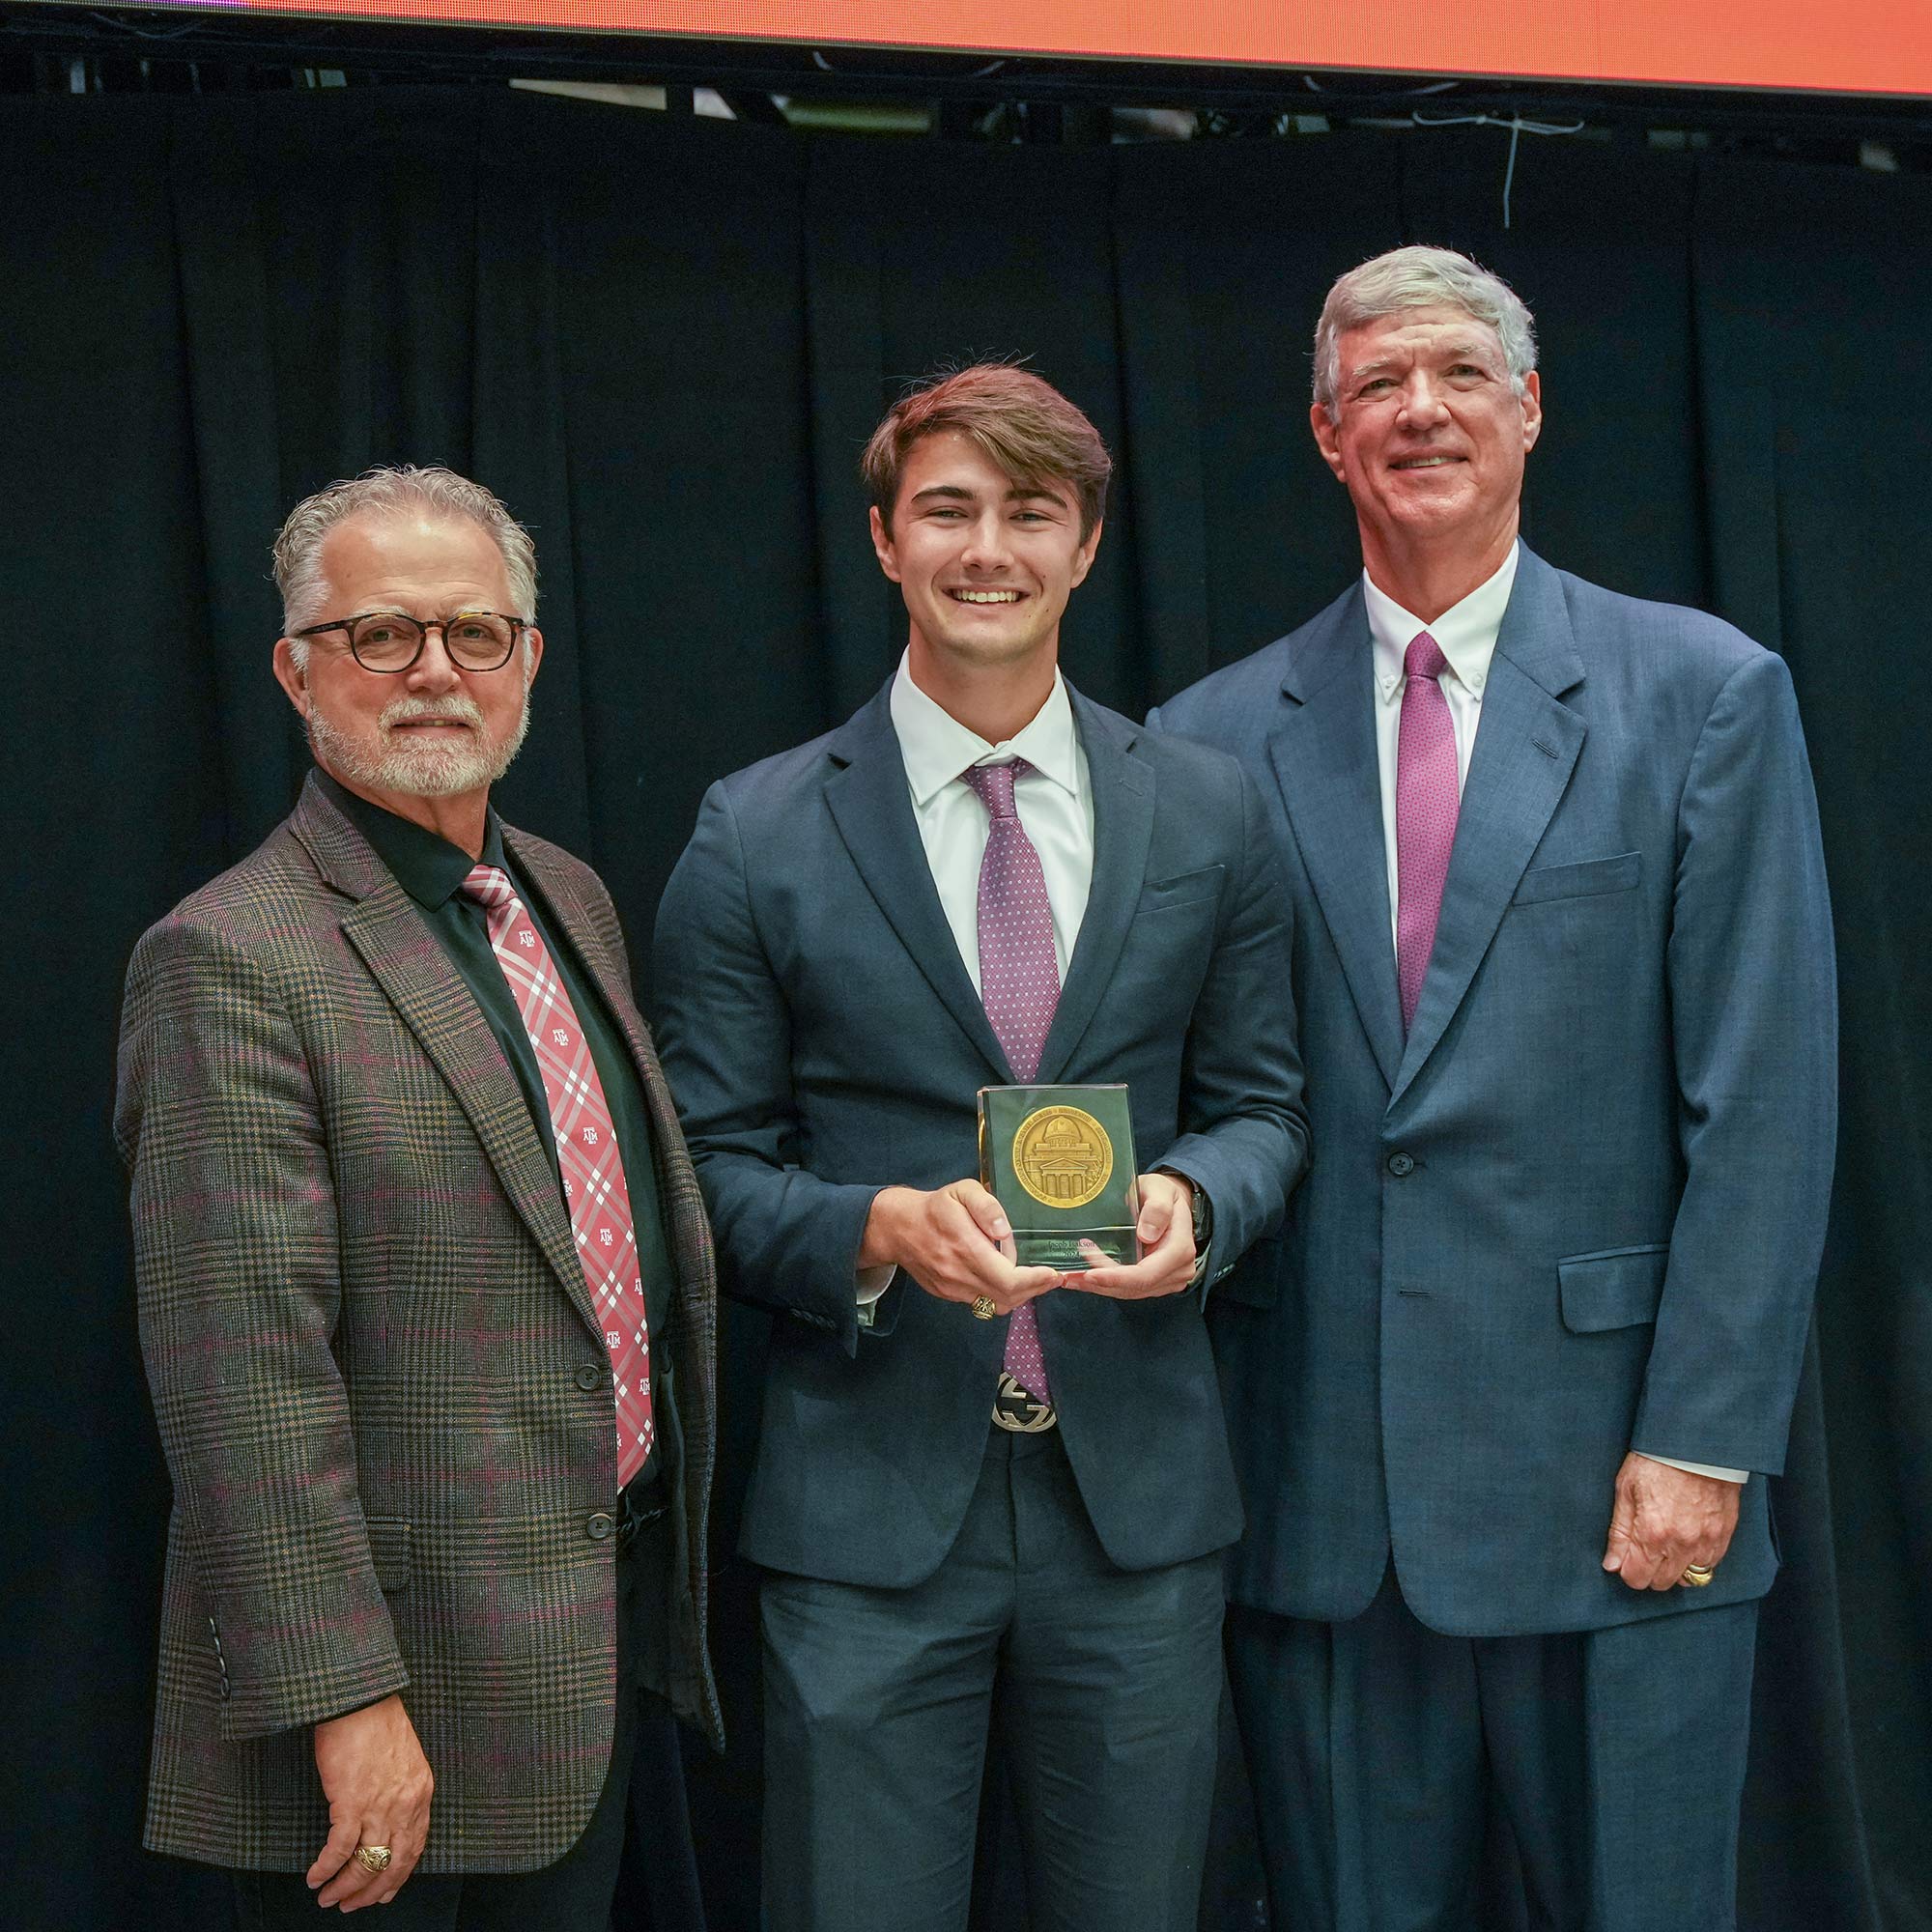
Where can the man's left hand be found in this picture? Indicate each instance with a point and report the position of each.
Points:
(379, 1785)
(1664, 1520)
(1165, 1229)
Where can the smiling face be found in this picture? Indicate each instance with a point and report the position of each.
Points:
(1429, 435)
(434, 732)
(986, 564)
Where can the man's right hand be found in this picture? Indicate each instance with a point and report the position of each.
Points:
(949, 1243)
(378, 1784)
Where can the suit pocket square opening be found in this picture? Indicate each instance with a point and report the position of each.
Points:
(1185, 889)
(389, 1551)
(1586, 879)
(1614, 1288)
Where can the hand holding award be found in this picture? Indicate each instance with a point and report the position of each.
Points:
(954, 1242)
(1061, 1161)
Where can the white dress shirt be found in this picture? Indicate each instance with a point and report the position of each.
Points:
(1466, 634)
(1055, 802)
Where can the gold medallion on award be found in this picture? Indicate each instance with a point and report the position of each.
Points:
(1061, 1156)
(1061, 1161)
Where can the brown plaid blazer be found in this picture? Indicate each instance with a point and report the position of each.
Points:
(363, 1319)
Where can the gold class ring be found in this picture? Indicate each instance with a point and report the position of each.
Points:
(984, 1307)
(374, 1857)
(1698, 1575)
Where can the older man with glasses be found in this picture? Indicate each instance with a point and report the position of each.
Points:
(425, 1291)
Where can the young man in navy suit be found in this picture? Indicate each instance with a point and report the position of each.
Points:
(1505, 1395)
(985, 1496)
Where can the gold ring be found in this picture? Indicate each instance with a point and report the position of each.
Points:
(1698, 1575)
(373, 1857)
(984, 1308)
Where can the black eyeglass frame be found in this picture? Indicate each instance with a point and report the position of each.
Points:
(424, 626)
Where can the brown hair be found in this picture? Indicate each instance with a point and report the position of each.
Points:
(1028, 428)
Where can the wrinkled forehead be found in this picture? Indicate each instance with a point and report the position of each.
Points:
(1437, 335)
(412, 533)
(392, 556)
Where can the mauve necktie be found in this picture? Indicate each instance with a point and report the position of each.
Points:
(1020, 984)
(586, 1153)
(1426, 800)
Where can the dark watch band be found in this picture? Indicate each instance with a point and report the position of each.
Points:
(1204, 1221)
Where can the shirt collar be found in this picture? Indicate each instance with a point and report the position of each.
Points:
(1466, 632)
(937, 747)
(429, 868)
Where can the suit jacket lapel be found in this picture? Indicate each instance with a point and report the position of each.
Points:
(678, 1192)
(401, 953)
(871, 805)
(1526, 747)
(573, 917)
(1324, 751)
(1123, 808)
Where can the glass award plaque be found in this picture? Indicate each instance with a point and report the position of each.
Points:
(1060, 1160)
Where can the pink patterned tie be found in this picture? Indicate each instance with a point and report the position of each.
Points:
(1426, 800)
(586, 1153)
(1020, 984)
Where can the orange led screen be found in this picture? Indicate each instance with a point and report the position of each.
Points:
(1867, 46)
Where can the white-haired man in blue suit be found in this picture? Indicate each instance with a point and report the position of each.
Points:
(1505, 1395)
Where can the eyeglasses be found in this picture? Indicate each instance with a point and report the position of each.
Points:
(383, 641)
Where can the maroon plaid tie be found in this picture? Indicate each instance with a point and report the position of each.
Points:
(1020, 984)
(586, 1152)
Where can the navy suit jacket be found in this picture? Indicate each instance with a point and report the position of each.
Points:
(1578, 1210)
(824, 1041)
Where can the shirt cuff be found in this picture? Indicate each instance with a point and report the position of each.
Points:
(1700, 1468)
(872, 1282)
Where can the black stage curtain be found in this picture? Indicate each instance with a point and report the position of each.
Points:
(664, 342)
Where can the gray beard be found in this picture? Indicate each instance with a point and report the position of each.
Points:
(419, 771)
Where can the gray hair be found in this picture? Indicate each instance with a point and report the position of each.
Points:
(1408, 278)
(387, 492)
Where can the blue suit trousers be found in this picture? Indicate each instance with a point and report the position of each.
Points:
(1101, 1684)
(1378, 1747)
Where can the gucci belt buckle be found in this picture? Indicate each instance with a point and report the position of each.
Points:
(1018, 1410)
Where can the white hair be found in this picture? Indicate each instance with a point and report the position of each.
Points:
(1406, 279)
(388, 492)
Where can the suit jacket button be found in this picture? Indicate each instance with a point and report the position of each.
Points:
(593, 1375)
(1402, 1165)
(601, 1525)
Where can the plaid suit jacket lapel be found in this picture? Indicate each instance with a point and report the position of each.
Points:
(401, 955)
(602, 955)
(590, 924)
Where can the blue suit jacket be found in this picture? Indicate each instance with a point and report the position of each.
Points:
(824, 1041)
(1580, 1208)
